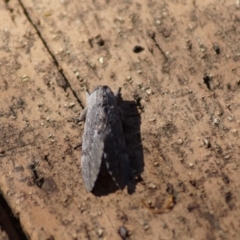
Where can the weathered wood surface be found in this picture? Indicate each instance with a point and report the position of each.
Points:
(186, 82)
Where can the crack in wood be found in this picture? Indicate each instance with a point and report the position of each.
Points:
(9, 223)
(50, 52)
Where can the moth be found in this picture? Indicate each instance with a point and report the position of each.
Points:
(103, 144)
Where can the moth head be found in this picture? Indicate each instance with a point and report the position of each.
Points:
(99, 90)
(104, 88)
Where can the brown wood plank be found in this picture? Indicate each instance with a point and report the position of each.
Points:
(187, 82)
(33, 107)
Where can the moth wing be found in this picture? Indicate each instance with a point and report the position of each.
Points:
(121, 174)
(92, 152)
(115, 154)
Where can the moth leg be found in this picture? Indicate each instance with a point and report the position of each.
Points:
(83, 114)
(87, 93)
(118, 95)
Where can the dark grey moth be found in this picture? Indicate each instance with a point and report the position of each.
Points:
(103, 145)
